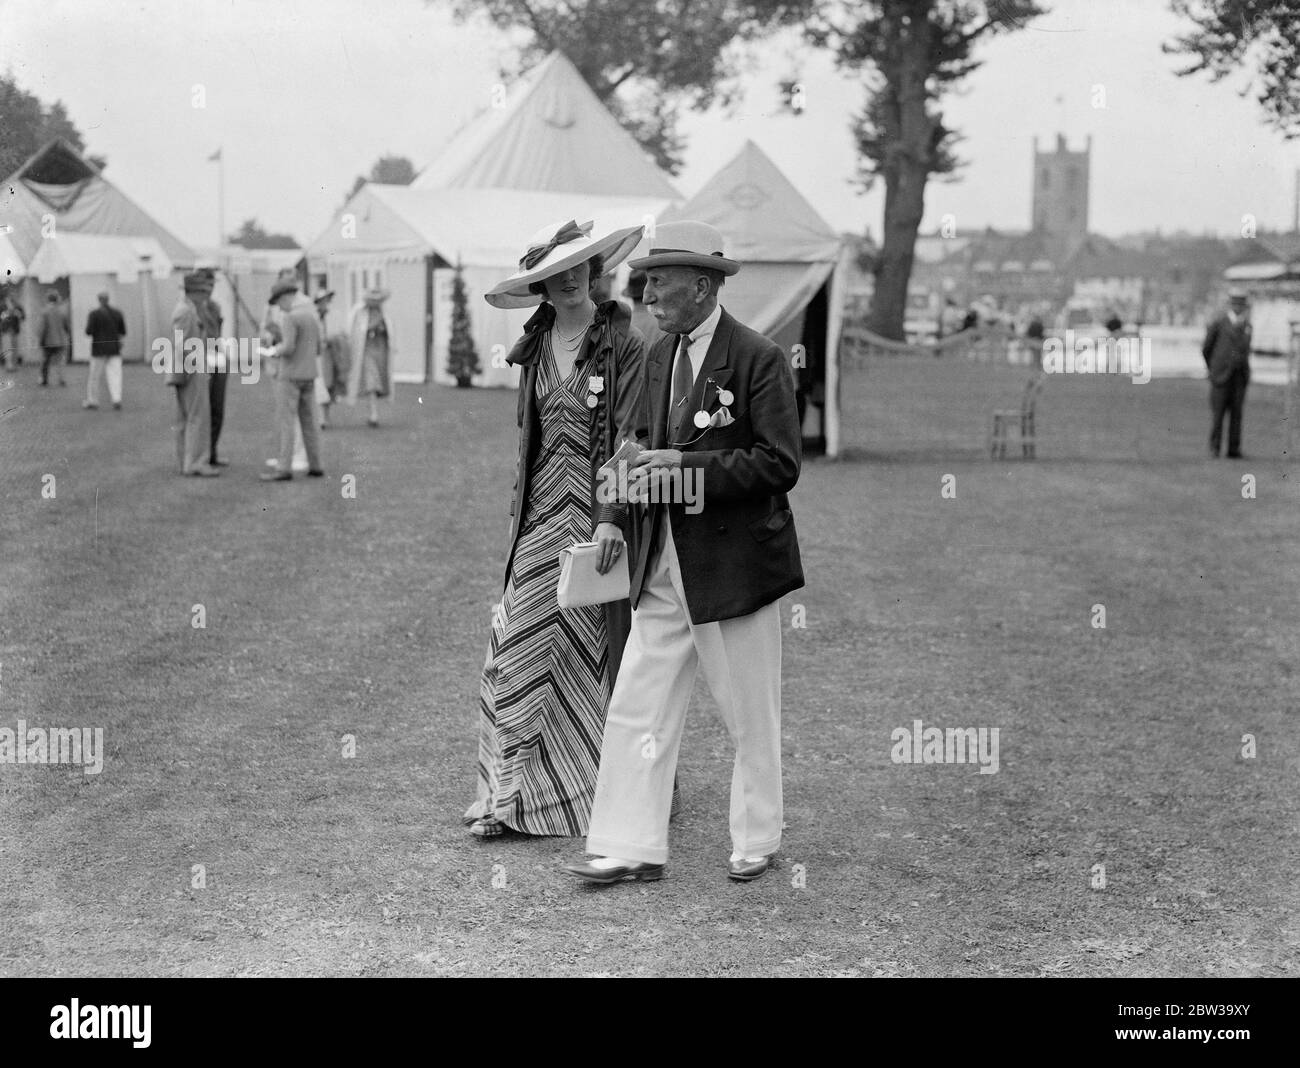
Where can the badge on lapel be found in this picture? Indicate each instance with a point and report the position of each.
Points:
(595, 386)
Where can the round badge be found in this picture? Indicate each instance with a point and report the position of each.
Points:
(591, 400)
(726, 396)
(701, 419)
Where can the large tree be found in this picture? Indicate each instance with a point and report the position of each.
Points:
(910, 55)
(26, 124)
(645, 59)
(1232, 35)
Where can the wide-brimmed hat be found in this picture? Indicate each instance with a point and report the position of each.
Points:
(554, 249)
(1237, 293)
(686, 244)
(322, 294)
(280, 289)
(376, 294)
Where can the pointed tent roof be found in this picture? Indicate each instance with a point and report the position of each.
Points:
(762, 215)
(553, 135)
(59, 181)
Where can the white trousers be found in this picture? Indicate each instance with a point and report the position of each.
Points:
(101, 366)
(741, 661)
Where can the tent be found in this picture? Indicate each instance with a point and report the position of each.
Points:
(552, 152)
(554, 135)
(72, 230)
(793, 278)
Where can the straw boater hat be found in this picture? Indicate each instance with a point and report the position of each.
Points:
(686, 244)
(556, 248)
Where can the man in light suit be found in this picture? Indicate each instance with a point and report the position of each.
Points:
(1227, 356)
(193, 431)
(719, 403)
(295, 377)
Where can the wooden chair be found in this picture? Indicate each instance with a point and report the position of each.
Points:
(1020, 420)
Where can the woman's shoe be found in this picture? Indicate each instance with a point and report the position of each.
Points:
(486, 827)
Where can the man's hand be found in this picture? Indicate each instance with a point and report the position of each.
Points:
(642, 474)
(610, 540)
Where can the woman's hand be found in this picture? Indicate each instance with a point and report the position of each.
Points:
(610, 540)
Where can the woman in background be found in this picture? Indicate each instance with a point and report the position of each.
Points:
(372, 352)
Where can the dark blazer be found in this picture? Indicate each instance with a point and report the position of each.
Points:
(740, 551)
(616, 353)
(1227, 349)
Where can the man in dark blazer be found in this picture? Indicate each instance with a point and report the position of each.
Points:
(719, 417)
(1227, 355)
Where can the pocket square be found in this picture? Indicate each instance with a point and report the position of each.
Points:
(722, 417)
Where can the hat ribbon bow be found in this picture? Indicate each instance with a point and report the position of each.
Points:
(570, 231)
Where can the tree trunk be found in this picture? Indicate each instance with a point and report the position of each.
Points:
(904, 206)
(911, 133)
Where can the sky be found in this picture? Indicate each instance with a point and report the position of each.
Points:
(304, 95)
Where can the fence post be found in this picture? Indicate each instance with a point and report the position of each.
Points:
(1292, 378)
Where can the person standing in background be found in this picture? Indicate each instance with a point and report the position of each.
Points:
(11, 326)
(272, 333)
(106, 328)
(372, 351)
(54, 337)
(193, 439)
(333, 367)
(1227, 357)
(642, 321)
(295, 377)
(212, 322)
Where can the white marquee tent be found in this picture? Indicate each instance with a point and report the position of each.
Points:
(791, 285)
(551, 153)
(71, 229)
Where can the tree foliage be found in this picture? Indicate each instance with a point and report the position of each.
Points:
(387, 170)
(251, 235)
(645, 60)
(1262, 36)
(26, 124)
(909, 54)
(462, 356)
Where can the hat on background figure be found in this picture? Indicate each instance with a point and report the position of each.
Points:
(280, 289)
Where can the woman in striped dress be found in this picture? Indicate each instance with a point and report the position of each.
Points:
(549, 671)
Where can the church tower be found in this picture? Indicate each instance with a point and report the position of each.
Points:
(1061, 194)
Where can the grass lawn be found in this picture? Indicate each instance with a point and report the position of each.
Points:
(328, 617)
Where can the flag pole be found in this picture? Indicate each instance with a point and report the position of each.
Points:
(221, 198)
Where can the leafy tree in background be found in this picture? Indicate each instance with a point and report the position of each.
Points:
(910, 54)
(1232, 35)
(645, 59)
(387, 170)
(251, 235)
(27, 124)
(462, 357)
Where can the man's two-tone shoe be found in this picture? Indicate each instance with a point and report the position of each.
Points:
(746, 869)
(602, 876)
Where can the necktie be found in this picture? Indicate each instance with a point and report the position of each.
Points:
(683, 381)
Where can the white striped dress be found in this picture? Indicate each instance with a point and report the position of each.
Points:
(546, 680)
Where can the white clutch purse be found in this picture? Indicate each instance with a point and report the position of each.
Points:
(581, 584)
